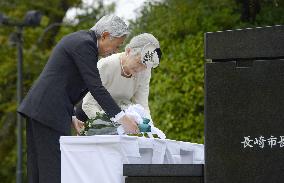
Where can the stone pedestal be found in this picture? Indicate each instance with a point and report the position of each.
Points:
(163, 173)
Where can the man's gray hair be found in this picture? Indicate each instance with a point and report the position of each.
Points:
(137, 43)
(111, 24)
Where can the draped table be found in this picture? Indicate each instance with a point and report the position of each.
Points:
(100, 158)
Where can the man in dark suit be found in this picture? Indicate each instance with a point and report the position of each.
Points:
(69, 74)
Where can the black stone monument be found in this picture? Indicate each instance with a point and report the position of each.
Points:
(244, 106)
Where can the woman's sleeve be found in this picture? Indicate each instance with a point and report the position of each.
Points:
(90, 106)
(142, 93)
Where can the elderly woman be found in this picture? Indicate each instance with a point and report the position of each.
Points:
(127, 75)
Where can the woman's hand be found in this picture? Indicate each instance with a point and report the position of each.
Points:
(77, 124)
(129, 125)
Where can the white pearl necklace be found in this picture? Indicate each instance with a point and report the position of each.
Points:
(124, 73)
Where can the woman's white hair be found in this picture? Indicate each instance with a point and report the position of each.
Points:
(137, 43)
(111, 24)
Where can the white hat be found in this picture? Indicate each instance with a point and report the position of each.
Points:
(151, 55)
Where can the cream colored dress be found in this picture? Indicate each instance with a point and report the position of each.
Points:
(123, 90)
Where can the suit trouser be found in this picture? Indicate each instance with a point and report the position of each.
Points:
(43, 153)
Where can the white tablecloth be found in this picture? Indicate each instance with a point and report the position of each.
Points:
(100, 159)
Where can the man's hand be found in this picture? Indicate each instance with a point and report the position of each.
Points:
(77, 124)
(129, 125)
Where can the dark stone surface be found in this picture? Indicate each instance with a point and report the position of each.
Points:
(243, 101)
(164, 180)
(163, 170)
(265, 42)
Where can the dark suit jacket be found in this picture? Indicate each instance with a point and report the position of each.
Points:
(79, 113)
(69, 74)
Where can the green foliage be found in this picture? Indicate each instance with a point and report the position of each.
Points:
(91, 123)
(272, 13)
